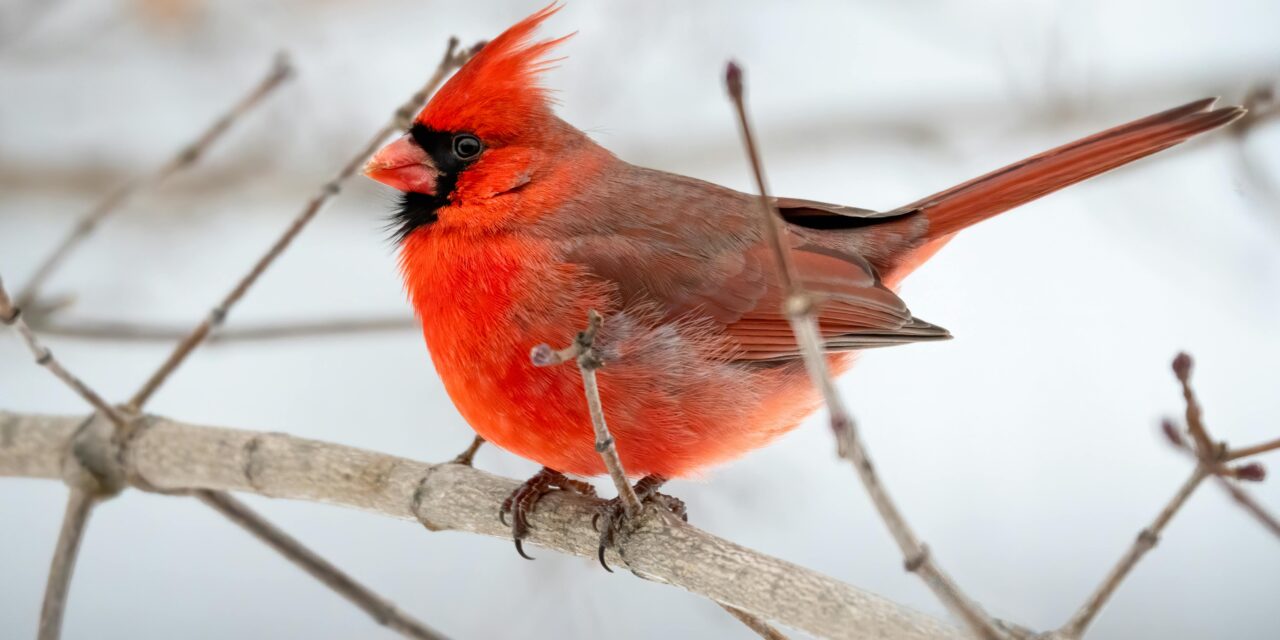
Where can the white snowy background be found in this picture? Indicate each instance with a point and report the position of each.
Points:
(1025, 451)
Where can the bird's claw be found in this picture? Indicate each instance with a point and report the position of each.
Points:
(525, 498)
(610, 518)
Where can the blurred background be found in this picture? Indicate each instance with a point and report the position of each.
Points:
(1026, 451)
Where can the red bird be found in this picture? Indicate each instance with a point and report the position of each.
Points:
(513, 224)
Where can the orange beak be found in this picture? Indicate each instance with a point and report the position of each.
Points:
(404, 166)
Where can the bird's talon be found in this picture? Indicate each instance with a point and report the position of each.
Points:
(525, 498)
(615, 517)
(520, 550)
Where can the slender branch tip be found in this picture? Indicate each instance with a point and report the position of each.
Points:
(733, 80)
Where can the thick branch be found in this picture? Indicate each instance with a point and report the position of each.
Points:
(93, 470)
(169, 455)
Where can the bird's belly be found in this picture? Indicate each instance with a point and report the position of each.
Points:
(672, 404)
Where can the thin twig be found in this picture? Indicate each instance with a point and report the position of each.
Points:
(1250, 505)
(1145, 542)
(1211, 455)
(800, 311)
(1262, 107)
(1209, 458)
(137, 332)
(377, 607)
(584, 352)
(11, 315)
(452, 59)
(281, 70)
(1252, 450)
(762, 628)
(468, 456)
(80, 504)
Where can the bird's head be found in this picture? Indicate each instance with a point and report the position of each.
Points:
(486, 133)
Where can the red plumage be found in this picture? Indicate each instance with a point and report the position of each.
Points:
(509, 248)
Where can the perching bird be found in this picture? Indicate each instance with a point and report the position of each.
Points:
(514, 224)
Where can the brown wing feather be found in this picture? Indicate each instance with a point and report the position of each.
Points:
(699, 253)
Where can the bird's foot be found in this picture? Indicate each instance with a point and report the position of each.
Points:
(467, 457)
(522, 501)
(611, 517)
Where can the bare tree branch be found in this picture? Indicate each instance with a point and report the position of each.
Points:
(400, 120)
(762, 628)
(583, 351)
(1253, 450)
(588, 359)
(80, 503)
(799, 308)
(1210, 454)
(11, 315)
(187, 156)
(1262, 107)
(1145, 542)
(170, 456)
(93, 474)
(138, 332)
(1250, 505)
(380, 609)
(1210, 457)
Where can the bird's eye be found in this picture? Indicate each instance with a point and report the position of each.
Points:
(466, 146)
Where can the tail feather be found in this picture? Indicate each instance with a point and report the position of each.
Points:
(996, 192)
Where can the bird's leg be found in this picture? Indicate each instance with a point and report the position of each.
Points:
(467, 457)
(611, 516)
(522, 501)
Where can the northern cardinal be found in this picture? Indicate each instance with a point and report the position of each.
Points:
(513, 224)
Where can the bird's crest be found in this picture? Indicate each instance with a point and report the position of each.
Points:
(496, 94)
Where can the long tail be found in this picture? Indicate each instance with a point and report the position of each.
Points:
(996, 192)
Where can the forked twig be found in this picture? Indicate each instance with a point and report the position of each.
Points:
(1210, 458)
(280, 71)
(81, 499)
(1211, 454)
(399, 121)
(380, 609)
(800, 306)
(583, 351)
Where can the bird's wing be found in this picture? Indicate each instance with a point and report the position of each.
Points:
(705, 258)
